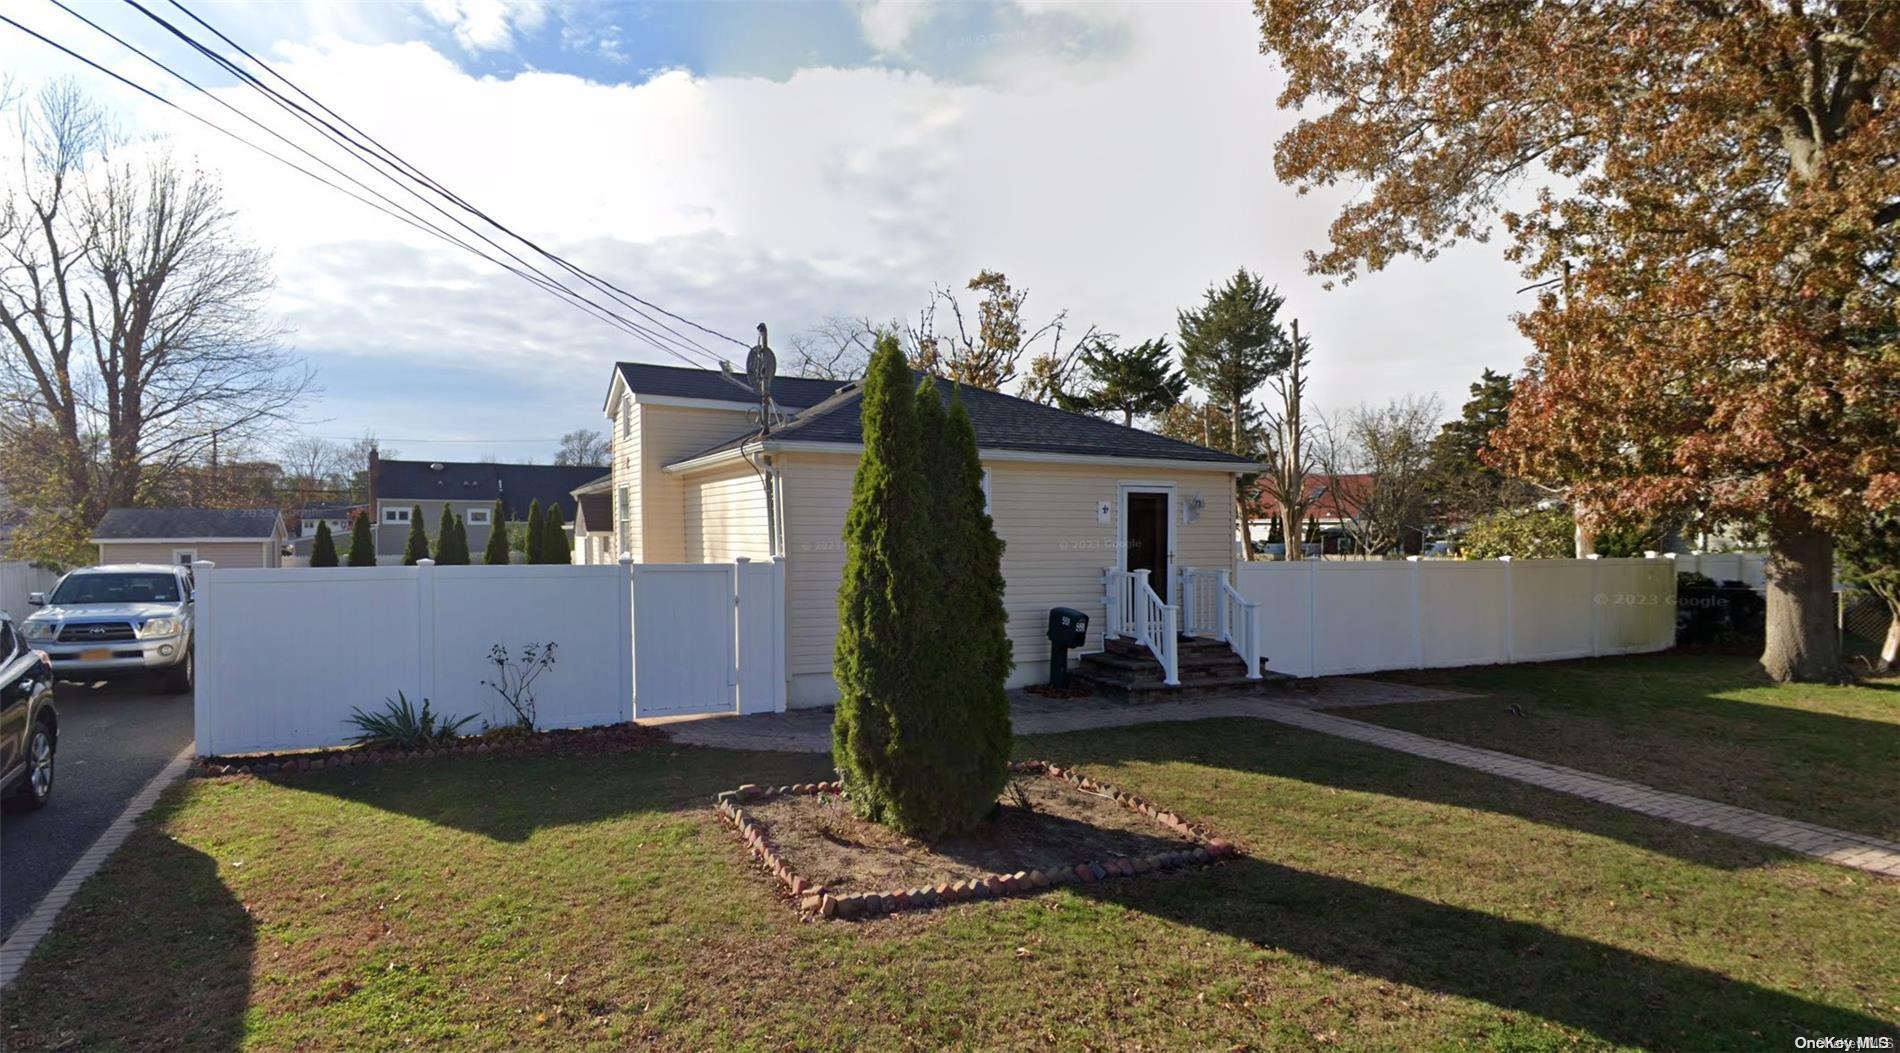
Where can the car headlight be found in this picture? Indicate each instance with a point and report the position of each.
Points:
(38, 630)
(159, 627)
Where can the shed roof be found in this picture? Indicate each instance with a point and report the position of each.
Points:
(208, 524)
(514, 485)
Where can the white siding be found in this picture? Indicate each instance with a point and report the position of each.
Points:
(725, 516)
(667, 434)
(1054, 556)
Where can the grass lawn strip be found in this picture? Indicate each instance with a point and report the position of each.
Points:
(596, 903)
(1709, 726)
(1054, 828)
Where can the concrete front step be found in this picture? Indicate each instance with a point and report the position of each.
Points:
(1118, 664)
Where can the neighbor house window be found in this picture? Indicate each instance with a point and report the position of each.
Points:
(626, 420)
(479, 516)
(986, 492)
(184, 556)
(395, 515)
(623, 518)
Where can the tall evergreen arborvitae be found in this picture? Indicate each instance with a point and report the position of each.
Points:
(972, 609)
(496, 554)
(417, 548)
(445, 537)
(532, 552)
(554, 545)
(323, 549)
(893, 734)
(362, 543)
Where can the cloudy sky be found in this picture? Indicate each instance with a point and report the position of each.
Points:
(738, 163)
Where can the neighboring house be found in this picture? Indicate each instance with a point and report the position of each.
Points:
(1071, 496)
(594, 522)
(229, 537)
(339, 514)
(470, 489)
(1334, 505)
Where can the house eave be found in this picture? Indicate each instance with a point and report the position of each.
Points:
(727, 456)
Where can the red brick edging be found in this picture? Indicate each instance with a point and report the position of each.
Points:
(613, 738)
(817, 901)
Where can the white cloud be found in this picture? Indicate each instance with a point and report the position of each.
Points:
(1121, 194)
(487, 25)
(888, 24)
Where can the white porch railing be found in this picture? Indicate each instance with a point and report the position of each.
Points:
(1237, 616)
(1212, 607)
(1136, 611)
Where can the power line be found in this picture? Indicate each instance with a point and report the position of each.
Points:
(410, 170)
(396, 211)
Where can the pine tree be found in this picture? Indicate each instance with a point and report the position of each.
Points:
(445, 537)
(554, 545)
(882, 736)
(1229, 347)
(323, 549)
(461, 541)
(496, 554)
(362, 542)
(1137, 381)
(418, 547)
(532, 553)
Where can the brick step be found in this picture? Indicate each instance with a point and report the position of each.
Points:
(1184, 648)
(1153, 690)
(1114, 663)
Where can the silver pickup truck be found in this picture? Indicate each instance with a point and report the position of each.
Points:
(117, 620)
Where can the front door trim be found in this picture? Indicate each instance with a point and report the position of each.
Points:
(1121, 530)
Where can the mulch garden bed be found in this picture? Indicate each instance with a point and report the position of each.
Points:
(1053, 827)
(614, 738)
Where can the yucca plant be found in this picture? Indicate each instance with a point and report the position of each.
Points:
(402, 726)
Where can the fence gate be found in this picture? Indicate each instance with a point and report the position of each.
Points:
(707, 638)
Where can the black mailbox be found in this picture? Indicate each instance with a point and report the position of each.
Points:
(1068, 627)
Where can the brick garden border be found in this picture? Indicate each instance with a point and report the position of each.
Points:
(816, 901)
(612, 738)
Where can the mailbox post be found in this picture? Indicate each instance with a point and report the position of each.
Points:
(1068, 628)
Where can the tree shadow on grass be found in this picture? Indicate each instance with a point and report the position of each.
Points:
(1618, 995)
(154, 953)
(510, 798)
(1264, 748)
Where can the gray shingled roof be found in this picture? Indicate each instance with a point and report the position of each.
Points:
(596, 512)
(1002, 422)
(682, 383)
(247, 524)
(516, 485)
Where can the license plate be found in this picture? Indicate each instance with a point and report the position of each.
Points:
(96, 655)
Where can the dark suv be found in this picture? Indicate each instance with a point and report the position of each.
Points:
(29, 726)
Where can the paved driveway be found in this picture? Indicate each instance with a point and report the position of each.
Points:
(112, 739)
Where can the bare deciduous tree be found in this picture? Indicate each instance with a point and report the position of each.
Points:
(1377, 462)
(583, 446)
(1289, 459)
(131, 311)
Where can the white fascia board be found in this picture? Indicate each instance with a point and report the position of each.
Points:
(1026, 456)
(733, 405)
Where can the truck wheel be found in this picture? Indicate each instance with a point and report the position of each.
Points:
(179, 678)
(36, 784)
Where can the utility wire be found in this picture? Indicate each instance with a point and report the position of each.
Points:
(526, 270)
(396, 213)
(370, 144)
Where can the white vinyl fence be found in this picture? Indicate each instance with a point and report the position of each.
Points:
(1327, 617)
(19, 580)
(284, 654)
(1745, 567)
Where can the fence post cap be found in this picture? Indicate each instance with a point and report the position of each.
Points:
(203, 564)
(425, 563)
(1594, 555)
(626, 559)
(1650, 553)
(1504, 559)
(1413, 559)
(742, 560)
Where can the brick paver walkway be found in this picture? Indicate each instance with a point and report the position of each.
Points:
(809, 731)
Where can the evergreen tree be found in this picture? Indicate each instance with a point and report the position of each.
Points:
(445, 537)
(1229, 347)
(554, 543)
(1137, 381)
(972, 603)
(535, 528)
(883, 738)
(417, 548)
(323, 549)
(461, 541)
(362, 542)
(496, 554)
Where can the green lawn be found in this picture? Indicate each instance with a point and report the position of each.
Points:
(1707, 725)
(1387, 903)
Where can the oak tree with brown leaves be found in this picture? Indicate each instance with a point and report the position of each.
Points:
(1722, 180)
